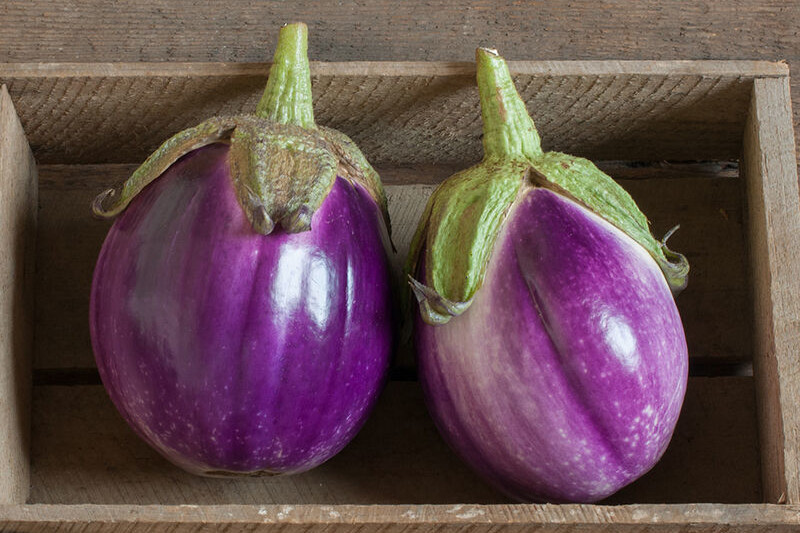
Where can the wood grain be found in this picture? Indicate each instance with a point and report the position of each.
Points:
(398, 114)
(190, 30)
(698, 518)
(416, 30)
(18, 193)
(715, 307)
(770, 173)
(85, 454)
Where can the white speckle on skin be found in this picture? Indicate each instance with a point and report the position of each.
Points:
(409, 514)
(620, 338)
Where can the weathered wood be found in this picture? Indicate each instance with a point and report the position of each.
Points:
(418, 30)
(18, 194)
(774, 238)
(699, 518)
(744, 68)
(192, 30)
(714, 454)
(84, 453)
(398, 114)
(715, 307)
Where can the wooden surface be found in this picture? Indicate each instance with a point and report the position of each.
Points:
(706, 202)
(189, 30)
(770, 173)
(397, 114)
(416, 30)
(699, 518)
(18, 194)
(84, 453)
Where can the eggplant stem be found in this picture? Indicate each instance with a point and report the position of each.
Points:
(508, 129)
(287, 96)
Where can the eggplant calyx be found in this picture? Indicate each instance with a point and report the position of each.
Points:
(284, 169)
(216, 129)
(462, 220)
(435, 309)
(281, 172)
(354, 167)
(282, 164)
(509, 132)
(675, 267)
(582, 181)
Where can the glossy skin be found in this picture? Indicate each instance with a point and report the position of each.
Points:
(234, 352)
(564, 379)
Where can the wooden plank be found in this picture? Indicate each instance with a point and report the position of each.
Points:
(85, 454)
(774, 223)
(728, 68)
(702, 518)
(715, 308)
(192, 30)
(149, 31)
(18, 192)
(398, 114)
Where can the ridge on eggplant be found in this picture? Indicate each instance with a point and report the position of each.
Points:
(282, 164)
(465, 213)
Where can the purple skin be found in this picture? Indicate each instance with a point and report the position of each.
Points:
(233, 352)
(564, 379)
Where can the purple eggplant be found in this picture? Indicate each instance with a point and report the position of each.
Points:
(241, 311)
(550, 350)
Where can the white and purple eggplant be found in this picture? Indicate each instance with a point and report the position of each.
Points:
(241, 314)
(550, 350)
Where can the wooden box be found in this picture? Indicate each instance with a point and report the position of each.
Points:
(708, 145)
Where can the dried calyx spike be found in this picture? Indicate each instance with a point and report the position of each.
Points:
(282, 164)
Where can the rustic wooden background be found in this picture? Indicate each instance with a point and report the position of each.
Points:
(245, 31)
(415, 30)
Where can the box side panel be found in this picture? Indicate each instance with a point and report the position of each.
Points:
(18, 203)
(427, 118)
(770, 172)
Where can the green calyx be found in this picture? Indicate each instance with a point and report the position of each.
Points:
(282, 164)
(465, 213)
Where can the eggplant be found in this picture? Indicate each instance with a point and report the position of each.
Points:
(241, 314)
(550, 351)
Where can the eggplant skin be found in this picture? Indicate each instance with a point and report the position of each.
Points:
(564, 379)
(233, 352)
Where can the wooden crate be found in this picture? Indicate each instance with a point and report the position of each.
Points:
(733, 464)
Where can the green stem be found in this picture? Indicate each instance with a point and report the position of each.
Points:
(508, 130)
(287, 97)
